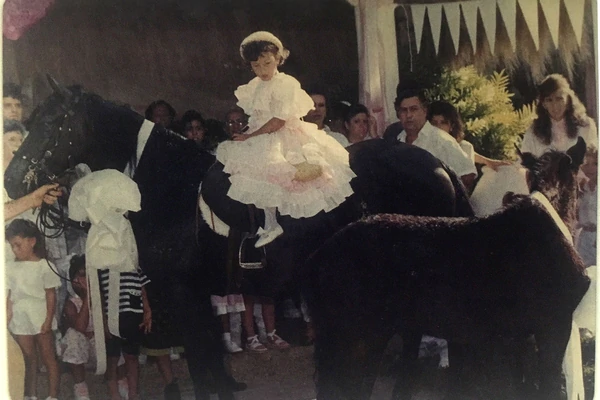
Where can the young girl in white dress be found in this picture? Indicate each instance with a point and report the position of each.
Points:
(31, 302)
(281, 163)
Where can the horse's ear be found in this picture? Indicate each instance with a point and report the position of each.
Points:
(528, 160)
(519, 152)
(577, 153)
(57, 87)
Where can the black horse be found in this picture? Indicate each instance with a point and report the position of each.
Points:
(468, 280)
(73, 126)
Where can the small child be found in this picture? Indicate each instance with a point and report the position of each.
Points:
(78, 345)
(135, 319)
(78, 341)
(31, 304)
(586, 209)
(281, 163)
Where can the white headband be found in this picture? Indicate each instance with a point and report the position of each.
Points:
(264, 36)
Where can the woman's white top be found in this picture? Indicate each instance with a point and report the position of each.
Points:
(559, 139)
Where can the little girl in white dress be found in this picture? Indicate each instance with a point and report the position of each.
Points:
(31, 300)
(281, 163)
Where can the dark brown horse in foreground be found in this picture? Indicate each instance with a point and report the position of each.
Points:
(467, 280)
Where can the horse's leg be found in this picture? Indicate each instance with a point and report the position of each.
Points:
(378, 338)
(552, 343)
(403, 388)
(457, 356)
(523, 365)
(347, 358)
(201, 339)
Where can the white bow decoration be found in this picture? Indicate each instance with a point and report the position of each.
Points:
(102, 198)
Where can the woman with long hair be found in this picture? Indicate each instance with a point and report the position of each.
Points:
(561, 119)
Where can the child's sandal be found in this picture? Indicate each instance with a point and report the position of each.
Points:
(276, 341)
(254, 345)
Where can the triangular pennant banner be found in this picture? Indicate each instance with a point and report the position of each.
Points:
(551, 12)
(435, 22)
(575, 10)
(508, 10)
(469, 10)
(488, 17)
(452, 11)
(530, 13)
(418, 15)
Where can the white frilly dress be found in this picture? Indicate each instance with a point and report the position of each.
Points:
(262, 168)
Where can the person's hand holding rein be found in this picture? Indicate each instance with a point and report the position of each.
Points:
(48, 194)
(44, 194)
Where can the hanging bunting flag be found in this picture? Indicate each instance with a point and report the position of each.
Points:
(488, 17)
(508, 10)
(551, 9)
(418, 16)
(435, 23)
(529, 9)
(469, 10)
(575, 11)
(452, 11)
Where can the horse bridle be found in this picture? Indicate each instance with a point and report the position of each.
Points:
(53, 217)
(37, 167)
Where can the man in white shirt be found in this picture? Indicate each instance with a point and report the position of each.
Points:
(318, 114)
(412, 111)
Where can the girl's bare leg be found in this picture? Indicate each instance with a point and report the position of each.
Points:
(225, 322)
(111, 378)
(165, 368)
(268, 307)
(133, 371)
(27, 345)
(78, 372)
(248, 317)
(47, 349)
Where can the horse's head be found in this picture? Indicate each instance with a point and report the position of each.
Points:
(554, 174)
(46, 151)
(70, 127)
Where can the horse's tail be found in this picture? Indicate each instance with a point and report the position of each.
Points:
(462, 206)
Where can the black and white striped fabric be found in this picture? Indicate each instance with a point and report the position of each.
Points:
(130, 290)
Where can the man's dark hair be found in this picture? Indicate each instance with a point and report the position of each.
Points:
(316, 89)
(408, 93)
(12, 125)
(408, 88)
(13, 90)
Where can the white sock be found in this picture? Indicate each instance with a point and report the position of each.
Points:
(227, 336)
(271, 218)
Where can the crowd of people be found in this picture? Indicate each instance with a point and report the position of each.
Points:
(279, 144)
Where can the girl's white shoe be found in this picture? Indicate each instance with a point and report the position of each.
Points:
(80, 390)
(232, 347)
(267, 237)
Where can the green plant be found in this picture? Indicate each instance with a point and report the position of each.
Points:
(492, 125)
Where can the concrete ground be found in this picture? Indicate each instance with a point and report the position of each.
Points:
(274, 375)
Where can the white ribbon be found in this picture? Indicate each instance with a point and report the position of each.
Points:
(572, 360)
(102, 197)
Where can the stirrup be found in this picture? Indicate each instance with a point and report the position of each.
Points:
(247, 246)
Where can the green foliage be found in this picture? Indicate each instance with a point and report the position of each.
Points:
(484, 103)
